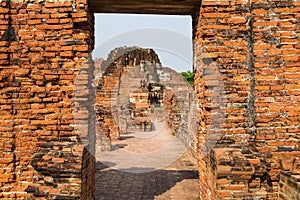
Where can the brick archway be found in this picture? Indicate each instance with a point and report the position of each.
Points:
(253, 44)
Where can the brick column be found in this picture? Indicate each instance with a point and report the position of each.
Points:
(223, 79)
(44, 153)
(276, 73)
(250, 47)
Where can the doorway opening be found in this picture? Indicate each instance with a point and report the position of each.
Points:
(145, 109)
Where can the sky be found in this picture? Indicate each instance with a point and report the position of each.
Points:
(170, 36)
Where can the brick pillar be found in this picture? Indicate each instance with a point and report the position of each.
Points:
(249, 48)
(44, 46)
(223, 82)
(276, 62)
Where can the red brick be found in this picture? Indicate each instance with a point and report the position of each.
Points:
(34, 21)
(34, 7)
(58, 160)
(49, 27)
(3, 22)
(66, 54)
(259, 12)
(4, 10)
(65, 20)
(265, 24)
(58, 4)
(224, 194)
(39, 16)
(65, 10)
(239, 20)
(59, 15)
(52, 21)
(79, 14)
(216, 15)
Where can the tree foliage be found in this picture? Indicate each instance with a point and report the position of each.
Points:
(188, 76)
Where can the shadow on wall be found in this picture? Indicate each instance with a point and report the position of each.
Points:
(126, 185)
(56, 166)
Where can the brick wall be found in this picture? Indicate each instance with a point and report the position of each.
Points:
(43, 47)
(173, 111)
(180, 113)
(246, 53)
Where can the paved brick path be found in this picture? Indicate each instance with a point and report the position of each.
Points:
(145, 166)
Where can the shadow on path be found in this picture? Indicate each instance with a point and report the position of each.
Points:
(118, 185)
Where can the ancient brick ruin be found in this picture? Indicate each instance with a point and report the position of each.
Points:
(254, 46)
(246, 52)
(133, 90)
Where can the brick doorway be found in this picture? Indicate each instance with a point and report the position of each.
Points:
(254, 45)
(120, 70)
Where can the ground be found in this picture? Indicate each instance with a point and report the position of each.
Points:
(147, 165)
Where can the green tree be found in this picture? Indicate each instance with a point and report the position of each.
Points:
(188, 76)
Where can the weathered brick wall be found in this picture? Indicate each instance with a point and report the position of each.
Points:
(106, 95)
(172, 109)
(117, 79)
(289, 186)
(275, 32)
(43, 47)
(246, 53)
(180, 106)
(222, 58)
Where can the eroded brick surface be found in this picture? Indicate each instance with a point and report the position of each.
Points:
(43, 48)
(289, 186)
(250, 48)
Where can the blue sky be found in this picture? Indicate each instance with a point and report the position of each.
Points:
(170, 36)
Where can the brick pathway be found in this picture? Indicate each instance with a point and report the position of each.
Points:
(145, 166)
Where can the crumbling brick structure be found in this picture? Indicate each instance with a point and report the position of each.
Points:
(172, 107)
(289, 186)
(119, 76)
(130, 93)
(180, 108)
(44, 154)
(246, 52)
(251, 49)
